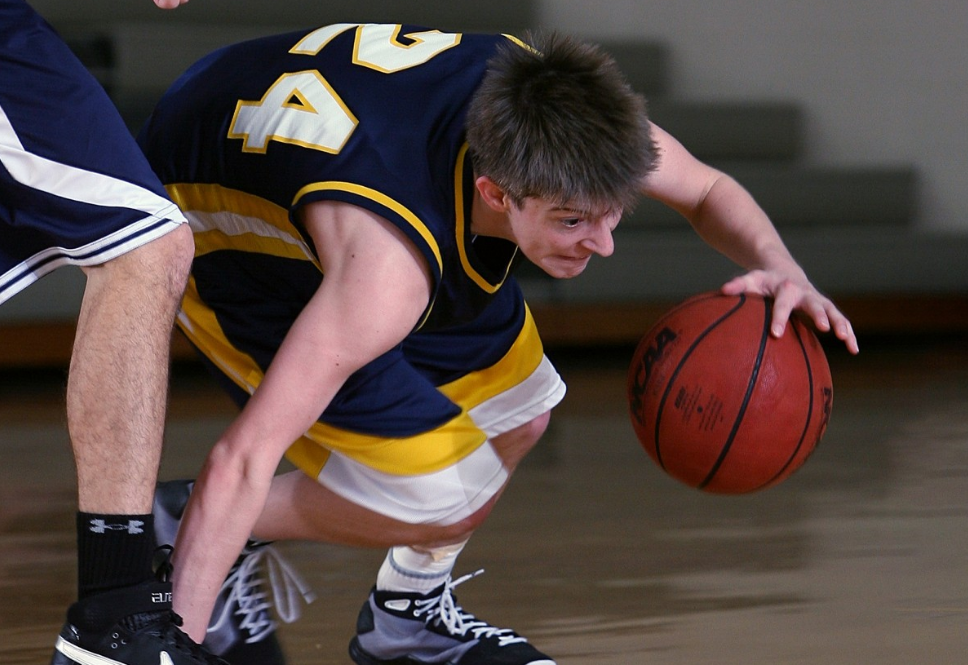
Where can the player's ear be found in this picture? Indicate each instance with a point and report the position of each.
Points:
(492, 194)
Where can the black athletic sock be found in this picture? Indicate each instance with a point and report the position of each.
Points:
(113, 551)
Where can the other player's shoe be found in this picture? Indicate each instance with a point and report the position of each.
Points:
(130, 626)
(241, 630)
(396, 628)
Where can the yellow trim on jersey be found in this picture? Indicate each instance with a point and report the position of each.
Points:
(520, 43)
(422, 453)
(212, 241)
(201, 326)
(382, 199)
(206, 197)
(301, 103)
(215, 199)
(520, 361)
(462, 223)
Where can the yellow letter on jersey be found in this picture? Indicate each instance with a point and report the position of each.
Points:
(299, 108)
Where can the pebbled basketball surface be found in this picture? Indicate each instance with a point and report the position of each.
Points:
(720, 404)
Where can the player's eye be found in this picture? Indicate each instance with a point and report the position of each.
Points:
(571, 222)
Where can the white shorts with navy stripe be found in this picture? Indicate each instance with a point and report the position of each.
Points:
(75, 188)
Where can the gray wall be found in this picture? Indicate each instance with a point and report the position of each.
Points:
(881, 81)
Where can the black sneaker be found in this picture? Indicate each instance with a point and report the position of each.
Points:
(396, 628)
(131, 626)
(241, 630)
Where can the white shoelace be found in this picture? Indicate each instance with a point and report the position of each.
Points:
(245, 590)
(458, 622)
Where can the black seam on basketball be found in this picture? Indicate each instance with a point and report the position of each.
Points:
(693, 301)
(754, 375)
(682, 361)
(651, 334)
(806, 425)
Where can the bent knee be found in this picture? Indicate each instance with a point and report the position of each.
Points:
(537, 427)
(159, 267)
(434, 535)
(170, 258)
(514, 444)
(180, 246)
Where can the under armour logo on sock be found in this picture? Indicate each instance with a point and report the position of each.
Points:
(133, 527)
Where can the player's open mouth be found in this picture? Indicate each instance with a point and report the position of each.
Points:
(572, 265)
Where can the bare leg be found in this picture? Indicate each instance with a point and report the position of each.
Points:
(299, 508)
(118, 382)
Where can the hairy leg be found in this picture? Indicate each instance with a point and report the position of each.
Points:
(118, 382)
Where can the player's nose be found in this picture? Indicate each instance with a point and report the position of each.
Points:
(600, 239)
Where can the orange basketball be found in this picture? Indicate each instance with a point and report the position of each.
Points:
(722, 405)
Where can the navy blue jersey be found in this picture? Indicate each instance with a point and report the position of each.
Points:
(371, 115)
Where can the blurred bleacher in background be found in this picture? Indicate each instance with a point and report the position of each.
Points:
(850, 227)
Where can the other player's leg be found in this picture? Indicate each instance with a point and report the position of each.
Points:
(116, 397)
(76, 190)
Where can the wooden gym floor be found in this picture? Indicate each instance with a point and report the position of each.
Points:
(861, 557)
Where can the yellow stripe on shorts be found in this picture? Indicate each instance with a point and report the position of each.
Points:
(518, 363)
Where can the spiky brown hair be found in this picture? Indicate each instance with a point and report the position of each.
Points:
(559, 121)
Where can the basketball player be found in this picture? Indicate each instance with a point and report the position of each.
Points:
(359, 195)
(76, 190)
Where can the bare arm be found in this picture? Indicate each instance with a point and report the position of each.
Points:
(169, 4)
(375, 289)
(729, 219)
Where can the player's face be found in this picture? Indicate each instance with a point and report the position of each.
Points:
(558, 239)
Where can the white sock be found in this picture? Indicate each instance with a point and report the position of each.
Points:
(407, 569)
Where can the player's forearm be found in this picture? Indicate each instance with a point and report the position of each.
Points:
(231, 490)
(732, 222)
(224, 506)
